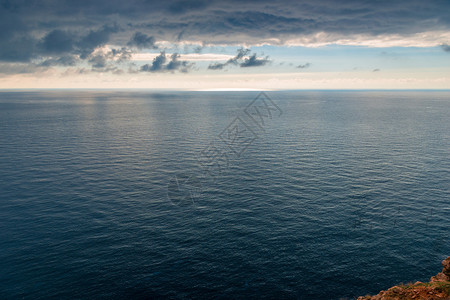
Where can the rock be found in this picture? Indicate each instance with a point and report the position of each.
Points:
(437, 288)
(446, 266)
(445, 274)
(440, 277)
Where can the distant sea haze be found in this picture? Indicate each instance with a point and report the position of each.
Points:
(299, 195)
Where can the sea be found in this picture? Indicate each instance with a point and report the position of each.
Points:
(141, 194)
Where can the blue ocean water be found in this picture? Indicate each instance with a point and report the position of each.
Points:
(317, 194)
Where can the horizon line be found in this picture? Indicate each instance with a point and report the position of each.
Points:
(208, 90)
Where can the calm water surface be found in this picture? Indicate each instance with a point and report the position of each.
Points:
(339, 194)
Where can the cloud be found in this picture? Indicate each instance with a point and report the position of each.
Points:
(181, 7)
(94, 39)
(234, 60)
(69, 60)
(108, 59)
(157, 65)
(18, 49)
(228, 22)
(376, 70)
(217, 66)
(57, 41)
(120, 55)
(241, 53)
(241, 60)
(304, 66)
(174, 64)
(98, 61)
(19, 68)
(62, 42)
(188, 57)
(445, 47)
(198, 49)
(55, 30)
(141, 40)
(253, 61)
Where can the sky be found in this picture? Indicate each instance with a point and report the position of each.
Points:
(225, 45)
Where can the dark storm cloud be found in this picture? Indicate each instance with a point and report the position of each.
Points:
(215, 21)
(141, 40)
(256, 21)
(18, 49)
(57, 41)
(159, 64)
(63, 42)
(53, 29)
(181, 7)
(16, 42)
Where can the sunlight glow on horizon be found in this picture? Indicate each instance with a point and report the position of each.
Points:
(222, 82)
